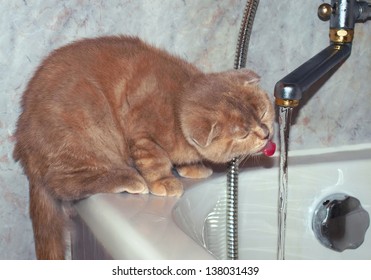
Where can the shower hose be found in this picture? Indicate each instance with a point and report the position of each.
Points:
(232, 175)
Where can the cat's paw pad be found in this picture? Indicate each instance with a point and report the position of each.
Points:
(167, 187)
(197, 171)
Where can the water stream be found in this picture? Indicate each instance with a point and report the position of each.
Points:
(284, 128)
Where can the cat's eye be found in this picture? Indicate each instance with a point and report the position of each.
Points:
(243, 136)
(263, 115)
(240, 132)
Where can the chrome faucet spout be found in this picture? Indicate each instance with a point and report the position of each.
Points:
(290, 89)
(343, 14)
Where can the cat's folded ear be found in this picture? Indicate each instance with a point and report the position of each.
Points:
(245, 76)
(204, 132)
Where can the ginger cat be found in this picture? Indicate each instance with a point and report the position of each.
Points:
(114, 114)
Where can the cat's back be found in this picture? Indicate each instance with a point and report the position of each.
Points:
(108, 55)
(90, 57)
(107, 61)
(95, 51)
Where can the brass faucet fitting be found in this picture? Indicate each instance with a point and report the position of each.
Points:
(341, 36)
(287, 102)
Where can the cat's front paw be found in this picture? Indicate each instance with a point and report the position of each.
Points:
(134, 186)
(195, 171)
(169, 186)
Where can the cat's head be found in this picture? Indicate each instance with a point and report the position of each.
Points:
(226, 115)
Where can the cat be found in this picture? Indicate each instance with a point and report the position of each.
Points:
(115, 114)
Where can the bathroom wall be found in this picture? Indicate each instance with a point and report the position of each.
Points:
(286, 33)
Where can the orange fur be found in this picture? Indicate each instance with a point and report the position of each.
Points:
(114, 114)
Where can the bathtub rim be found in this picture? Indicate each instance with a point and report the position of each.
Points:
(90, 209)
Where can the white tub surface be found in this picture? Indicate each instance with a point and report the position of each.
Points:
(149, 227)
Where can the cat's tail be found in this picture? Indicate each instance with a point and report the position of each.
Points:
(48, 221)
(46, 212)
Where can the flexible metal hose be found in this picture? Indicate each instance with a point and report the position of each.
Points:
(232, 175)
(245, 33)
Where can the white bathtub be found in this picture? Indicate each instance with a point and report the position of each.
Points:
(147, 227)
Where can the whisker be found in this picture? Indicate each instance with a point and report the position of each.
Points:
(254, 158)
(243, 159)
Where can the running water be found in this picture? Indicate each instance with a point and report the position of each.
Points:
(284, 123)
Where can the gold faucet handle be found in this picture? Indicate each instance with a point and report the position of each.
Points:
(324, 11)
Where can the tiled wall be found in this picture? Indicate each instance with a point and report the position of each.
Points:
(286, 34)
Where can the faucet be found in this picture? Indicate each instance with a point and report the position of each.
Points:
(343, 14)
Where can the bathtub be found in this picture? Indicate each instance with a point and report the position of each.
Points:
(128, 226)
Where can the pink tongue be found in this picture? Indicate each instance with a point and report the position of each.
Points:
(269, 149)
